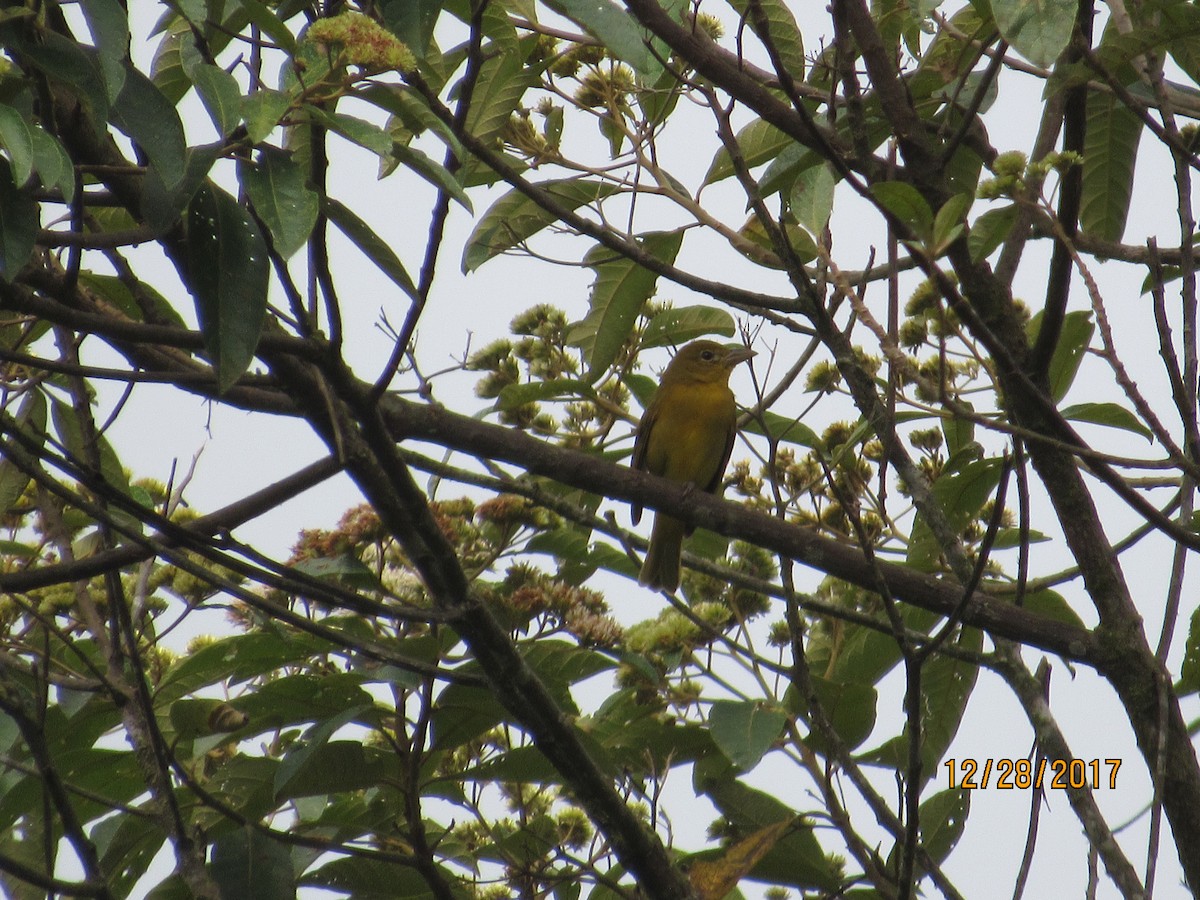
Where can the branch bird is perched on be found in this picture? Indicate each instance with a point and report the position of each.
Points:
(686, 434)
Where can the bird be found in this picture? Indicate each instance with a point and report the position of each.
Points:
(686, 434)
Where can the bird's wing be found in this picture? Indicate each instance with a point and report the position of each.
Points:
(730, 437)
(641, 442)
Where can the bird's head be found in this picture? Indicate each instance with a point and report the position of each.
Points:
(705, 361)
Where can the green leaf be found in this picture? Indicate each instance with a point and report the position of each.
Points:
(781, 30)
(959, 432)
(53, 166)
(946, 686)
(523, 765)
(127, 846)
(642, 387)
(991, 230)
(948, 223)
(99, 773)
(943, 819)
(247, 863)
(503, 80)
(462, 714)
(849, 705)
(759, 142)
(31, 421)
(370, 879)
(950, 54)
(246, 783)
(788, 165)
(163, 206)
(65, 62)
(271, 24)
(760, 248)
(143, 113)
(168, 70)
(787, 429)
(12, 485)
(371, 244)
(18, 224)
(613, 27)
(80, 719)
(1110, 414)
(791, 160)
(112, 289)
(279, 190)
(1052, 605)
(517, 395)
(221, 95)
(17, 141)
(315, 764)
(745, 730)
(345, 569)
(1007, 538)
(905, 203)
(359, 131)
(236, 659)
(961, 495)
(433, 172)
(1189, 673)
(1037, 29)
(412, 21)
(1109, 159)
(560, 664)
(299, 699)
(811, 197)
(1073, 342)
(108, 22)
(262, 111)
(514, 217)
(413, 112)
(675, 327)
(657, 99)
(797, 860)
(311, 66)
(229, 270)
(708, 544)
(578, 560)
(645, 743)
(1181, 26)
(70, 432)
(16, 330)
(963, 171)
(619, 292)
(568, 542)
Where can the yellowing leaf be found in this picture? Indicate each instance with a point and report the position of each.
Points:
(713, 880)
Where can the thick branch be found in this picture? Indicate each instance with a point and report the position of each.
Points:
(408, 420)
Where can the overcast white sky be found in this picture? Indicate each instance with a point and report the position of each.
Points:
(243, 452)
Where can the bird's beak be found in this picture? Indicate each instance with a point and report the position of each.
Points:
(739, 355)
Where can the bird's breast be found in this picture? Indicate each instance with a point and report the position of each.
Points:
(689, 436)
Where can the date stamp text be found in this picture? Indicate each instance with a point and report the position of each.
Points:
(1022, 774)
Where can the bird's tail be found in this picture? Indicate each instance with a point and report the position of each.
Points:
(660, 571)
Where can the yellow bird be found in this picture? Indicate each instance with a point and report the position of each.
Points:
(686, 434)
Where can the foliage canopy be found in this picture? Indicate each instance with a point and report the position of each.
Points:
(443, 695)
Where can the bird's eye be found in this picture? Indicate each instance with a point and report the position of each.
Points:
(708, 356)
